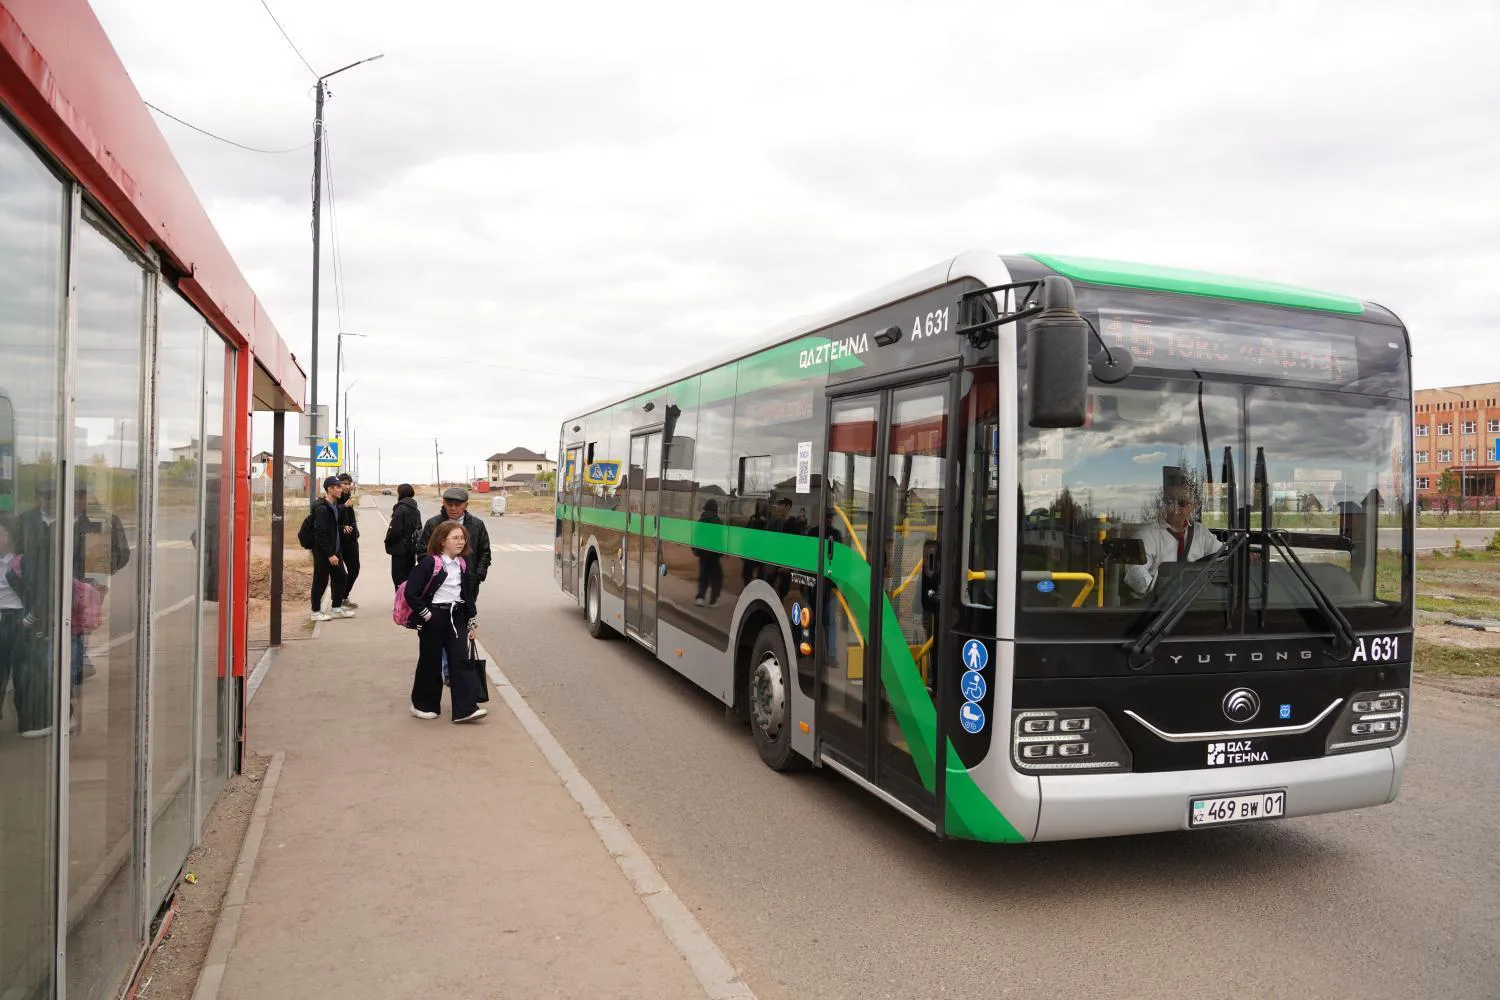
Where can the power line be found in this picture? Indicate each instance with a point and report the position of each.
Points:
(241, 145)
(289, 39)
(333, 232)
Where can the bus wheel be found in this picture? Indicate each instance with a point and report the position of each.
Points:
(592, 603)
(769, 698)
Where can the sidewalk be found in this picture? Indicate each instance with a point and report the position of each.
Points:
(405, 858)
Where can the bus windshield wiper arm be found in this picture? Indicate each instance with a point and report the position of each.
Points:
(1140, 651)
(1343, 630)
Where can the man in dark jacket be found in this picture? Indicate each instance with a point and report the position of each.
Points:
(349, 530)
(328, 569)
(403, 534)
(456, 508)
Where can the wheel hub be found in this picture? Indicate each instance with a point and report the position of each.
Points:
(768, 696)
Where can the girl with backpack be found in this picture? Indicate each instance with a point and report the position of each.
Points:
(440, 595)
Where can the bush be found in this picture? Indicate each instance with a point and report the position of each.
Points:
(1494, 545)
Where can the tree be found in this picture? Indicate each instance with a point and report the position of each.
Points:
(1448, 483)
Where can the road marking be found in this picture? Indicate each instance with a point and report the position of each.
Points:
(521, 547)
(719, 979)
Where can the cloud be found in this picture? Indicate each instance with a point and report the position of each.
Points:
(1149, 458)
(531, 199)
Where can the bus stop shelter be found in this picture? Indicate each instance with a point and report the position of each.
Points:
(132, 354)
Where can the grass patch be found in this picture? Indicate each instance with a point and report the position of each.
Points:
(1446, 660)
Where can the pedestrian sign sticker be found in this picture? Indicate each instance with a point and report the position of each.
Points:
(973, 686)
(971, 716)
(328, 453)
(602, 473)
(976, 656)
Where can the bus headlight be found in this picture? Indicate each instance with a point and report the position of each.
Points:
(1068, 740)
(1369, 719)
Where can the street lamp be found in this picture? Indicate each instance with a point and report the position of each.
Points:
(312, 465)
(348, 431)
(338, 370)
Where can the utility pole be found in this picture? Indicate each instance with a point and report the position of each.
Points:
(437, 467)
(312, 464)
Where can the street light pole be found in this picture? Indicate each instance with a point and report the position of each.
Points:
(338, 371)
(312, 465)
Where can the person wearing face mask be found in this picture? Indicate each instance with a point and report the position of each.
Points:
(1175, 536)
(441, 595)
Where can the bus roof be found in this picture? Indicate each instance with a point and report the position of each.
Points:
(1095, 271)
(991, 268)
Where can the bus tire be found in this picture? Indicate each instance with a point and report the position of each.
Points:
(768, 694)
(593, 603)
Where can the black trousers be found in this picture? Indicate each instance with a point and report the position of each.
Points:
(326, 576)
(23, 662)
(710, 576)
(448, 631)
(350, 558)
(401, 567)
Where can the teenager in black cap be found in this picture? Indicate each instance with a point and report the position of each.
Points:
(328, 567)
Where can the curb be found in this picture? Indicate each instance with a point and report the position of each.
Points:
(212, 974)
(715, 974)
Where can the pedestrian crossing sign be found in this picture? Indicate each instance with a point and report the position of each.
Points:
(328, 453)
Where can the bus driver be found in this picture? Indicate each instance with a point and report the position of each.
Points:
(1175, 536)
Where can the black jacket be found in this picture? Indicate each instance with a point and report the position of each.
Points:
(325, 529)
(347, 520)
(478, 553)
(424, 581)
(405, 529)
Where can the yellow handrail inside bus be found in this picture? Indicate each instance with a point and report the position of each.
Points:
(916, 571)
(849, 614)
(853, 535)
(1087, 579)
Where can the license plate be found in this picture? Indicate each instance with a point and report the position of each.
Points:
(1237, 808)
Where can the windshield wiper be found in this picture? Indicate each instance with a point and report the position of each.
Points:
(1140, 651)
(1343, 630)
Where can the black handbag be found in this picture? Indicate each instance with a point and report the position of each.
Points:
(481, 679)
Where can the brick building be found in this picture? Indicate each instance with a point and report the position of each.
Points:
(1456, 428)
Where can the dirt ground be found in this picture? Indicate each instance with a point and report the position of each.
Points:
(171, 971)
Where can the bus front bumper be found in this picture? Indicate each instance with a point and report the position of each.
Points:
(1108, 805)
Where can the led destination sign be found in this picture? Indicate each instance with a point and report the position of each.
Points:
(1231, 347)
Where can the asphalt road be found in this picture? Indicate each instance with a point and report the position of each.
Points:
(817, 890)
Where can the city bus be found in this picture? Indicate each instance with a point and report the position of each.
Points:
(1029, 547)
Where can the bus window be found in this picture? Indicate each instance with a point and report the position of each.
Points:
(981, 456)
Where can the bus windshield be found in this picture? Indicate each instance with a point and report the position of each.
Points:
(1117, 513)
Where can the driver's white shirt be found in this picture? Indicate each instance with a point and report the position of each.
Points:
(1161, 546)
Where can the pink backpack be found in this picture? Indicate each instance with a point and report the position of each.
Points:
(400, 610)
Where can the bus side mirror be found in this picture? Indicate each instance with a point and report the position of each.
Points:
(1057, 359)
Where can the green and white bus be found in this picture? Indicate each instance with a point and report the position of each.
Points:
(1030, 547)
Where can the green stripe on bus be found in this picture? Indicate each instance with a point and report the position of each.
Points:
(1170, 279)
(970, 813)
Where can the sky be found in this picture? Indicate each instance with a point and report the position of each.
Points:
(537, 204)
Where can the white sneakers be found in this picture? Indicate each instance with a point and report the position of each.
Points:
(332, 613)
(473, 716)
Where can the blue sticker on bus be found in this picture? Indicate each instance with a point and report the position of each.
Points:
(973, 686)
(1046, 586)
(976, 656)
(1286, 711)
(971, 716)
(796, 613)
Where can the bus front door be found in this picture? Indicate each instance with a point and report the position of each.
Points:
(567, 527)
(642, 540)
(885, 497)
